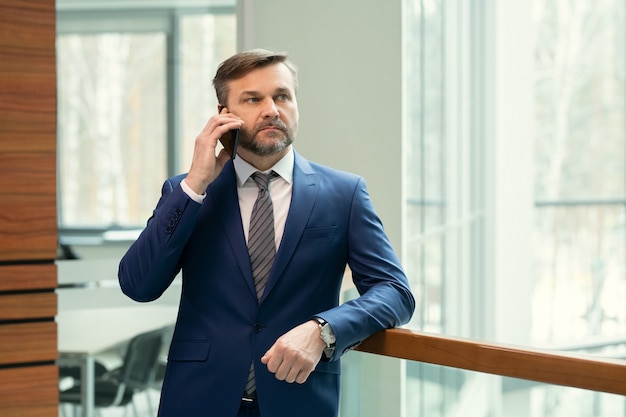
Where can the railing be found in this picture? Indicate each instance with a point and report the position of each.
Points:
(569, 369)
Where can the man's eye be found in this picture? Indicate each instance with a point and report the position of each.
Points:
(282, 97)
(252, 100)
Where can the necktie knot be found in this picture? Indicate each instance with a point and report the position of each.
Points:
(263, 180)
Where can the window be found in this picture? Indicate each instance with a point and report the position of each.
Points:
(461, 60)
(425, 167)
(444, 154)
(580, 174)
(134, 90)
(112, 127)
(444, 212)
(580, 191)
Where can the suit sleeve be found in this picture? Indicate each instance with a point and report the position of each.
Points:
(153, 260)
(385, 299)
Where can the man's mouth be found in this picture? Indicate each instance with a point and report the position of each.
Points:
(270, 128)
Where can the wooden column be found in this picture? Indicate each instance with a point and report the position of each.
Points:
(28, 231)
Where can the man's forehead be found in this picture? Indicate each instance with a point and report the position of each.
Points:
(270, 77)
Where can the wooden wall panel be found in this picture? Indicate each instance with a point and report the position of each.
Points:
(28, 343)
(28, 277)
(36, 305)
(27, 130)
(32, 392)
(28, 223)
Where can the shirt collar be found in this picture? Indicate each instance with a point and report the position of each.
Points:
(284, 168)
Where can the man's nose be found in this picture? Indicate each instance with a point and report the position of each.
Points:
(270, 109)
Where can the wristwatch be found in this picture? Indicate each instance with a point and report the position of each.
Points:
(328, 337)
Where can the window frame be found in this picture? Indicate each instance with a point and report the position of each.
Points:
(93, 17)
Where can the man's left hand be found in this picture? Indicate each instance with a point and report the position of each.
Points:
(296, 353)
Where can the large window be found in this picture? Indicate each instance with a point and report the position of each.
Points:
(580, 190)
(134, 90)
(580, 176)
(461, 197)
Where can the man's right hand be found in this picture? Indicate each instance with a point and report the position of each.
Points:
(205, 166)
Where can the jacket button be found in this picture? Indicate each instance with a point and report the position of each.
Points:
(256, 328)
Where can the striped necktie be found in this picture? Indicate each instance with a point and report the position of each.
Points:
(261, 245)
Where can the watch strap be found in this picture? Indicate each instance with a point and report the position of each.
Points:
(329, 350)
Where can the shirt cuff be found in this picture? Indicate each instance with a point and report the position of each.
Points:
(191, 193)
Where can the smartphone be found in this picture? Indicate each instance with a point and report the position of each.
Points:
(229, 141)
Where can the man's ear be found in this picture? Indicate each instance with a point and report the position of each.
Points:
(220, 107)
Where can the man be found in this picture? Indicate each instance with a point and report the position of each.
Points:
(263, 334)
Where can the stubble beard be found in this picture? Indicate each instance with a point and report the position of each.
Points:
(281, 139)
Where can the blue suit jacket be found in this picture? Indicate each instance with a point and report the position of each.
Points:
(221, 326)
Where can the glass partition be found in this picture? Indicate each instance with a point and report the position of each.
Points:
(456, 86)
(580, 172)
(438, 391)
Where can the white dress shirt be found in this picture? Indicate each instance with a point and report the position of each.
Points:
(280, 191)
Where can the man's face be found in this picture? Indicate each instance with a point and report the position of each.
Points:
(265, 99)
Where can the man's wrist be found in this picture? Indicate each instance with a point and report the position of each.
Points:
(328, 337)
(198, 198)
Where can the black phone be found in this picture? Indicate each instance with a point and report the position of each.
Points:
(229, 141)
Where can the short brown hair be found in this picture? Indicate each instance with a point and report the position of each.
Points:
(242, 63)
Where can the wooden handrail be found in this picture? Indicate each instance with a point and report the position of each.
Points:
(559, 368)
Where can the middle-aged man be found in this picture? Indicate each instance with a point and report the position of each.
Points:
(260, 330)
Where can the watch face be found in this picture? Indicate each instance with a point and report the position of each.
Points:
(327, 335)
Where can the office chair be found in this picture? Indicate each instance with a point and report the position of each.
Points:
(159, 373)
(74, 372)
(116, 388)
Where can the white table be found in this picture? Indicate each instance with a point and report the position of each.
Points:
(84, 333)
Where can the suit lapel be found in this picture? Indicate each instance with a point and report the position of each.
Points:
(223, 192)
(224, 196)
(304, 193)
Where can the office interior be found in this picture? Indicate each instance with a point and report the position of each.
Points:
(490, 133)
